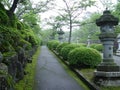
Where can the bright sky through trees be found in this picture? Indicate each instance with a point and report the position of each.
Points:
(100, 6)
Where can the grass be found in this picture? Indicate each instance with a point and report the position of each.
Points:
(28, 81)
(88, 74)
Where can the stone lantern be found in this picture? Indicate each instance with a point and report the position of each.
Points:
(88, 41)
(60, 35)
(108, 72)
(118, 50)
(77, 40)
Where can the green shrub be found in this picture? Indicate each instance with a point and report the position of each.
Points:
(60, 46)
(52, 44)
(7, 56)
(25, 44)
(98, 47)
(3, 17)
(84, 56)
(65, 50)
(55, 44)
(2, 6)
(82, 44)
(49, 43)
(20, 25)
(6, 46)
(29, 36)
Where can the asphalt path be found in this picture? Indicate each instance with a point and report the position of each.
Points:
(51, 75)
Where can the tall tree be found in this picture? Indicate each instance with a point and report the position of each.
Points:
(88, 28)
(40, 7)
(116, 12)
(72, 11)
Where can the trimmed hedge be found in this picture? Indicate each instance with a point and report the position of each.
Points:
(60, 46)
(65, 50)
(52, 44)
(87, 57)
(98, 47)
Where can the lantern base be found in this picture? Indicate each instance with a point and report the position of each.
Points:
(107, 81)
(107, 74)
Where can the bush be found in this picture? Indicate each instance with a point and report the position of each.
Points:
(82, 44)
(25, 44)
(60, 46)
(6, 46)
(20, 25)
(98, 47)
(84, 56)
(65, 50)
(7, 56)
(53, 44)
(29, 36)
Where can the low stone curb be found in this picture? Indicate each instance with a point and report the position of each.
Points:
(92, 86)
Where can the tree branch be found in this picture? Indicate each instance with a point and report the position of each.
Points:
(14, 6)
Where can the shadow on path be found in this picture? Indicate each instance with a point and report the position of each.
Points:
(50, 75)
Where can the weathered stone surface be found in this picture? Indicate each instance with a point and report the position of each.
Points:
(107, 74)
(3, 76)
(107, 81)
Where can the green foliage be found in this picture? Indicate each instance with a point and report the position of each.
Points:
(2, 7)
(25, 44)
(9, 38)
(20, 25)
(4, 19)
(12, 20)
(53, 44)
(82, 44)
(7, 56)
(98, 47)
(85, 57)
(6, 46)
(65, 50)
(8, 78)
(60, 46)
(29, 36)
(14, 37)
(30, 18)
(88, 27)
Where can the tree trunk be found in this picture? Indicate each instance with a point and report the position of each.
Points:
(70, 34)
(14, 6)
(12, 9)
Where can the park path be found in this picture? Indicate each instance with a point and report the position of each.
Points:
(50, 74)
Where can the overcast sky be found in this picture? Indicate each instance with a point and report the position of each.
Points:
(99, 8)
(60, 3)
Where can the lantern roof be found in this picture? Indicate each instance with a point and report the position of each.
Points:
(107, 18)
(60, 32)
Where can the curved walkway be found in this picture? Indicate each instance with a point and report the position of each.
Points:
(50, 75)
